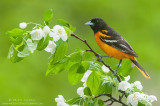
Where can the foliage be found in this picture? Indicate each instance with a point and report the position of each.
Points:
(80, 66)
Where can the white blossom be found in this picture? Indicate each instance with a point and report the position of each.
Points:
(137, 84)
(32, 46)
(84, 84)
(58, 32)
(152, 98)
(55, 37)
(80, 91)
(124, 85)
(46, 30)
(144, 97)
(105, 69)
(86, 75)
(23, 25)
(134, 98)
(148, 98)
(61, 101)
(51, 47)
(37, 34)
(24, 53)
(74, 105)
(62, 104)
(127, 78)
(51, 34)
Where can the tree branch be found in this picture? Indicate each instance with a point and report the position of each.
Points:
(112, 99)
(97, 55)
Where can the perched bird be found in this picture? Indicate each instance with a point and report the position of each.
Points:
(113, 44)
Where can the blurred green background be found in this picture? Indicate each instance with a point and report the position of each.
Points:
(138, 21)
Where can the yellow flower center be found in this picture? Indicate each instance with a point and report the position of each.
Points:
(134, 97)
(37, 33)
(59, 32)
(50, 46)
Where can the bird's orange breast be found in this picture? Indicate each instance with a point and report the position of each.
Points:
(112, 52)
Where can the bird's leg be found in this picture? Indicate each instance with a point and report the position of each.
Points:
(100, 57)
(115, 72)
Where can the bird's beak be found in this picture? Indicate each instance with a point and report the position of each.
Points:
(89, 23)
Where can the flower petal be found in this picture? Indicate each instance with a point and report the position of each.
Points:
(124, 85)
(23, 25)
(86, 75)
(105, 69)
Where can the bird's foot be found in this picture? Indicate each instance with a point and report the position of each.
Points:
(115, 73)
(103, 56)
(100, 57)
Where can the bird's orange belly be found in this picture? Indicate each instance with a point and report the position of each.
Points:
(112, 52)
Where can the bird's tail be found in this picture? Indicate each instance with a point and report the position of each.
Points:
(144, 73)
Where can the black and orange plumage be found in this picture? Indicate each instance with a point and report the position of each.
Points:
(113, 44)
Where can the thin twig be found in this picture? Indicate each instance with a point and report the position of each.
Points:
(120, 97)
(107, 100)
(102, 95)
(112, 99)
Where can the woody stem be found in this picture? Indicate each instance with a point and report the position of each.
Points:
(97, 55)
(112, 99)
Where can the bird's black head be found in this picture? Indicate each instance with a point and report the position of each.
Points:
(97, 24)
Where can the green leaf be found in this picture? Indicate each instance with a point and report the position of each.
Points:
(73, 76)
(76, 57)
(59, 42)
(81, 69)
(16, 32)
(48, 16)
(12, 55)
(86, 65)
(59, 62)
(115, 88)
(66, 24)
(144, 103)
(24, 53)
(11, 52)
(89, 102)
(68, 31)
(87, 91)
(88, 56)
(90, 65)
(105, 88)
(136, 90)
(60, 53)
(32, 46)
(93, 82)
(76, 100)
(125, 68)
(16, 35)
(95, 66)
(57, 67)
(100, 102)
(43, 43)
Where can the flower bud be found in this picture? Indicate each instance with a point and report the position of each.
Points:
(23, 25)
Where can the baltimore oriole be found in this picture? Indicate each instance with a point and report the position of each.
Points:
(113, 44)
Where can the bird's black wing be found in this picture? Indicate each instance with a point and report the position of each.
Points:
(115, 40)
